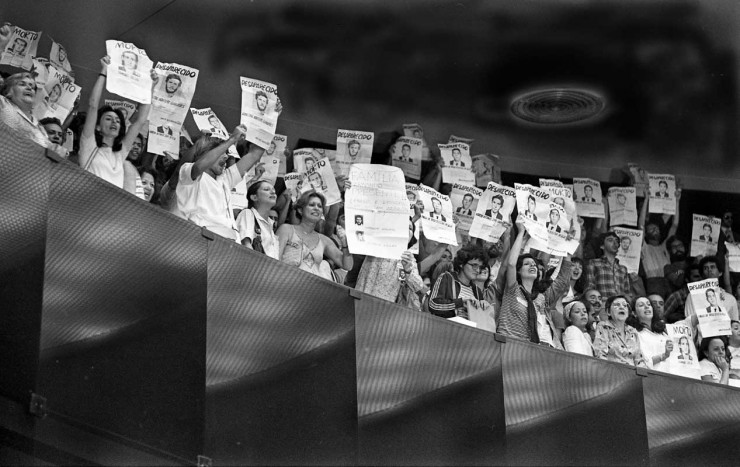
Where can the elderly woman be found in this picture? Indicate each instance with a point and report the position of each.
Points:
(453, 291)
(255, 222)
(16, 109)
(616, 340)
(302, 246)
(105, 143)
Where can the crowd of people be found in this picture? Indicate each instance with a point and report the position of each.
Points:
(586, 303)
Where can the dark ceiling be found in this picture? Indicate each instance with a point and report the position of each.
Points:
(667, 70)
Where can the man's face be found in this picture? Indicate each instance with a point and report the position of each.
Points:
(626, 242)
(55, 133)
(735, 330)
(710, 271)
(315, 180)
(711, 297)
(405, 150)
(531, 205)
(588, 191)
(19, 46)
(353, 149)
(467, 201)
(129, 60)
(219, 166)
(213, 121)
(411, 197)
(136, 147)
(621, 199)
(62, 54)
(172, 85)
(727, 219)
(437, 205)
(554, 217)
(559, 201)
(652, 231)
(658, 304)
(611, 244)
(358, 220)
(417, 134)
(495, 205)
(309, 164)
(456, 155)
(662, 186)
(271, 149)
(261, 102)
(55, 93)
(677, 250)
(707, 231)
(694, 275)
(594, 298)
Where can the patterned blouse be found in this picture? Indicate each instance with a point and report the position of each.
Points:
(610, 344)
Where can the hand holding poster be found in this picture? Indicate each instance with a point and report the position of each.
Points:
(320, 178)
(353, 147)
(436, 218)
(622, 206)
(704, 235)
(207, 121)
(170, 101)
(294, 183)
(683, 360)
(713, 318)
(639, 179)
(406, 155)
(533, 204)
(486, 169)
(277, 149)
(493, 214)
(414, 130)
(564, 240)
(458, 165)
(21, 48)
(733, 253)
(260, 110)
(377, 211)
(662, 194)
(58, 57)
(464, 200)
(57, 97)
(587, 195)
(128, 72)
(630, 248)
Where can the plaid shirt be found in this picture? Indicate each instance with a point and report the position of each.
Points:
(674, 305)
(609, 279)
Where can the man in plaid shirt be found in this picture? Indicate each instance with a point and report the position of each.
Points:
(605, 274)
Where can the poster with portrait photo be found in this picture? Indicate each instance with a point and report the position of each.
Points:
(57, 98)
(457, 164)
(683, 360)
(549, 182)
(560, 240)
(294, 185)
(21, 48)
(406, 155)
(127, 108)
(493, 213)
(705, 232)
(622, 206)
(207, 121)
(639, 179)
(464, 200)
(412, 195)
(376, 205)
(630, 248)
(533, 206)
(320, 178)
(733, 253)
(436, 219)
(170, 102)
(705, 302)
(259, 112)
(353, 147)
(304, 159)
(588, 198)
(414, 130)
(460, 139)
(277, 148)
(128, 72)
(662, 194)
(58, 57)
(486, 168)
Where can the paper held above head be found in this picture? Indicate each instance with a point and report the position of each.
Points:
(128, 72)
(260, 110)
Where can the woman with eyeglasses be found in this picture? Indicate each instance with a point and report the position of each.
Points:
(529, 295)
(615, 340)
(454, 291)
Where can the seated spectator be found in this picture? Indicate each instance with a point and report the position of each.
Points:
(615, 340)
(733, 346)
(576, 338)
(453, 290)
(714, 360)
(655, 344)
(658, 304)
(104, 143)
(203, 185)
(255, 221)
(302, 246)
(148, 184)
(54, 130)
(598, 313)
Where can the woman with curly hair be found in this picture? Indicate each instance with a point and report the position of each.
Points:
(453, 291)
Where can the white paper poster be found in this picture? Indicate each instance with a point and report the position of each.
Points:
(622, 206)
(294, 183)
(704, 235)
(493, 215)
(376, 209)
(713, 317)
(588, 198)
(486, 169)
(21, 48)
(458, 165)
(320, 178)
(464, 200)
(683, 360)
(630, 248)
(170, 102)
(128, 72)
(436, 217)
(406, 155)
(57, 98)
(58, 57)
(639, 179)
(259, 111)
(353, 147)
(414, 130)
(662, 194)
(733, 251)
(533, 205)
(277, 149)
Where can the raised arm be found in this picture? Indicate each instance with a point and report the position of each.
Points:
(674, 225)
(142, 117)
(210, 157)
(514, 254)
(643, 211)
(88, 130)
(338, 255)
(251, 157)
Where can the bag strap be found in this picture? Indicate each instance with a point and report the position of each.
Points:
(257, 230)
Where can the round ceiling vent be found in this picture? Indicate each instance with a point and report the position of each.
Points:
(557, 105)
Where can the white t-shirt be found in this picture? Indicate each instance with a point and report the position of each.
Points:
(103, 162)
(245, 225)
(206, 201)
(708, 368)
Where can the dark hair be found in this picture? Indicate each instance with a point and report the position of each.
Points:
(657, 325)
(468, 194)
(531, 197)
(412, 240)
(498, 197)
(48, 120)
(581, 282)
(519, 263)
(704, 346)
(672, 239)
(117, 141)
(303, 201)
(704, 261)
(611, 300)
(467, 253)
(170, 76)
(252, 190)
(606, 235)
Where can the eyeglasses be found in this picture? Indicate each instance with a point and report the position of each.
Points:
(477, 266)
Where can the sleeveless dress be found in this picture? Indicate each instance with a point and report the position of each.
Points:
(297, 253)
